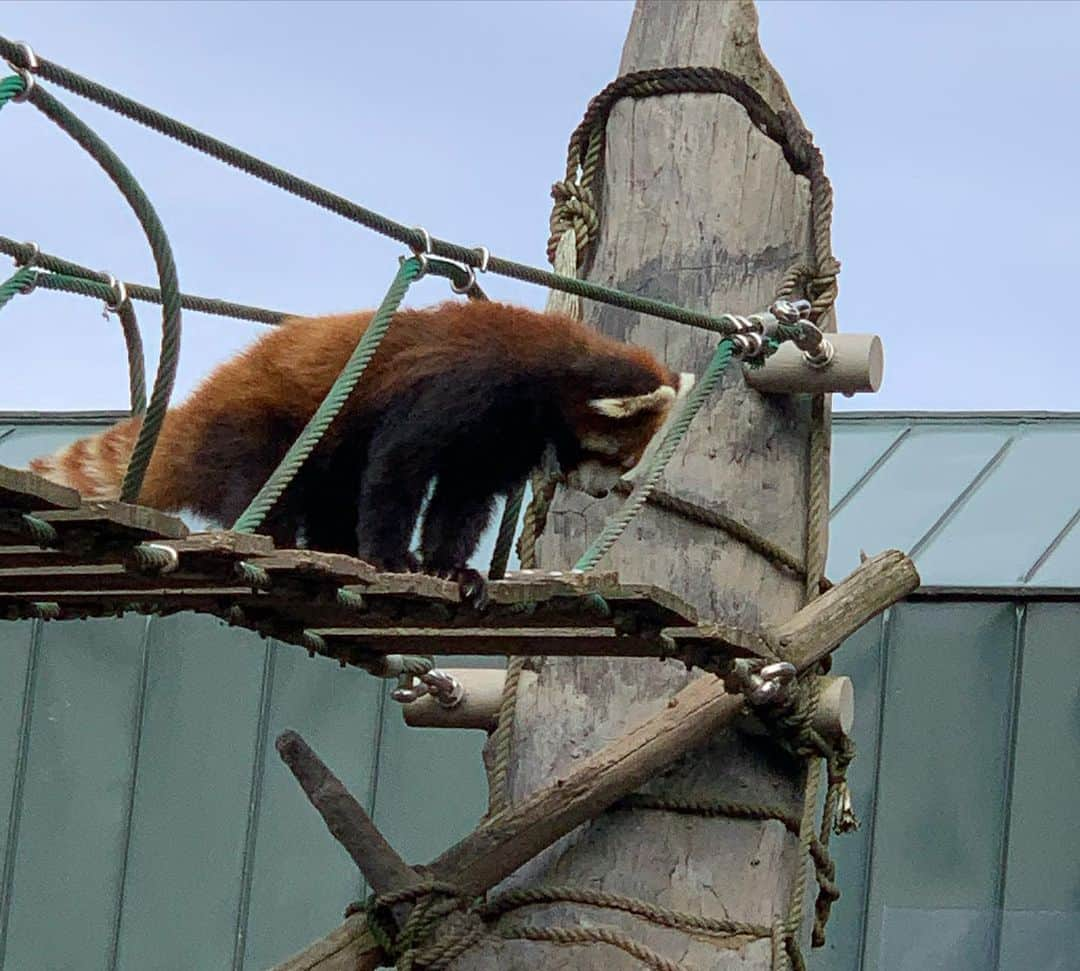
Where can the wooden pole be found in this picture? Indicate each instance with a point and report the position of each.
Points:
(701, 208)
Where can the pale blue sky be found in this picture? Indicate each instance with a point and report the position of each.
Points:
(949, 132)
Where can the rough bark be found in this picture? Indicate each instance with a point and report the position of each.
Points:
(700, 208)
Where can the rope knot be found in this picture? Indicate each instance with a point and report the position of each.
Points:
(575, 208)
(441, 925)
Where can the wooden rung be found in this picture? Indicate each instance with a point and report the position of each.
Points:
(26, 492)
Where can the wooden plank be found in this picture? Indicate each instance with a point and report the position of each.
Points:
(114, 522)
(106, 579)
(198, 551)
(26, 492)
(309, 565)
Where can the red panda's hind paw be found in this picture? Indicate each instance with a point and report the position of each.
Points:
(471, 583)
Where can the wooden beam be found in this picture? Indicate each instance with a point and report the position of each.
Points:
(508, 641)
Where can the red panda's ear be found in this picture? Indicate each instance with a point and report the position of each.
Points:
(627, 407)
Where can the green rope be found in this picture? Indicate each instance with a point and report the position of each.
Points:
(252, 517)
(617, 523)
(72, 278)
(166, 267)
(10, 87)
(507, 527)
(341, 206)
(129, 326)
(19, 282)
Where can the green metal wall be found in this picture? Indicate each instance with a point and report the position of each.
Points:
(147, 822)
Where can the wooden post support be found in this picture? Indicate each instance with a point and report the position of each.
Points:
(700, 207)
(857, 366)
(688, 721)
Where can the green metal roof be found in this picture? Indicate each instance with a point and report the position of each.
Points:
(980, 500)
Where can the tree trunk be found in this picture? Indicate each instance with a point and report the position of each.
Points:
(700, 208)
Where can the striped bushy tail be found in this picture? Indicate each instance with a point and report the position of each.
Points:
(93, 466)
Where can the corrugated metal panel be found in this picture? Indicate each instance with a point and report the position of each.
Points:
(978, 500)
(301, 879)
(939, 817)
(72, 827)
(1041, 923)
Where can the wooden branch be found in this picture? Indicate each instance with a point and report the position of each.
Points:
(346, 819)
(858, 365)
(819, 627)
(503, 843)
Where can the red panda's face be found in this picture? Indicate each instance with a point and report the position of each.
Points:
(615, 434)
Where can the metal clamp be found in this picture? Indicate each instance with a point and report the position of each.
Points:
(422, 254)
(445, 689)
(485, 258)
(790, 311)
(762, 684)
(35, 252)
(31, 284)
(120, 295)
(26, 73)
(817, 349)
(469, 283)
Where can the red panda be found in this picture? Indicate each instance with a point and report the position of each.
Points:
(470, 395)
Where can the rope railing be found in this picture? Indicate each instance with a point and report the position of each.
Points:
(416, 239)
(155, 234)
(73, 278)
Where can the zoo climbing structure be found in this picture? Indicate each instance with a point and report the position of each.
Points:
(63, 558)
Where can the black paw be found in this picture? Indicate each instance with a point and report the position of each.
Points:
(471, 583)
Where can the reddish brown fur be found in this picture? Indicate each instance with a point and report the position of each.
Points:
(283, 377)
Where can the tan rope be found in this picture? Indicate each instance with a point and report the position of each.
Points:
(597, 935)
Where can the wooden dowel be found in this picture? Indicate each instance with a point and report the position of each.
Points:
(479, 708)
(857, 366)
